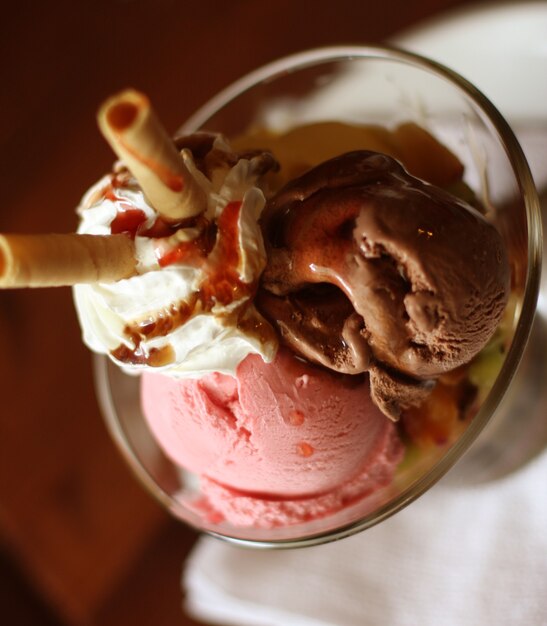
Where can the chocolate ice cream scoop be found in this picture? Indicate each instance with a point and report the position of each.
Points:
(371, 269)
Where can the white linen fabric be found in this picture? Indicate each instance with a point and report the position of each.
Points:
(456, 557)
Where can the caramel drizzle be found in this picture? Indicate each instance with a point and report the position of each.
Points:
(222, 285)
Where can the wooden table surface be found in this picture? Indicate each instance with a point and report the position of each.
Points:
(80, 542)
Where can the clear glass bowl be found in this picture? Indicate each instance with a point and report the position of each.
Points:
(369, 85)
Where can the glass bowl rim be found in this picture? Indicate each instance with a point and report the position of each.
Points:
(296, 62)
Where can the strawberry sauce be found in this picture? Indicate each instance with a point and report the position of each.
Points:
(216, 252)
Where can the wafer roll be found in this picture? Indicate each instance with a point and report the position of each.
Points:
(136, 135)
(57, 260)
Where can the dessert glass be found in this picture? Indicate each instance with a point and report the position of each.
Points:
(378, 85)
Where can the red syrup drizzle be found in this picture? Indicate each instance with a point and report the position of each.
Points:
(194, 252)
(120, 117)
(128, 221)
(216, 252)
(170, 179)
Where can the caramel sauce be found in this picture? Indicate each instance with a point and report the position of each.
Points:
(156, 357)
(164, 321)
(216, 252)
(253, 324)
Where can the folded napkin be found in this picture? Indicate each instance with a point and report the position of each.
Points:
(456, 557)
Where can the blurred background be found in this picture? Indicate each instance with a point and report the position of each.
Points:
(80, 541)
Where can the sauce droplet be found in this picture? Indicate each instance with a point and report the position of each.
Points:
(304, 449)
(296, 418)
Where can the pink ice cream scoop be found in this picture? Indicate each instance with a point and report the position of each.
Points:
(276, 444)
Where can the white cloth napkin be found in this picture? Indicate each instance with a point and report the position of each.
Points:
(456, 557)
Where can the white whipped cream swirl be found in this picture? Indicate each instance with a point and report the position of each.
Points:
(208, 341)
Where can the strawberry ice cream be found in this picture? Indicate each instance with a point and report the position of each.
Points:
(275, 444)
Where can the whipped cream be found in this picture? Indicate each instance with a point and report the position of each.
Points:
(183, 318)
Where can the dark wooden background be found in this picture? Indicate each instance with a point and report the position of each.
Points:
(80, 542)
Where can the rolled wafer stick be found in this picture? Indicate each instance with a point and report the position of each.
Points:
(133, 131)
(69, 259)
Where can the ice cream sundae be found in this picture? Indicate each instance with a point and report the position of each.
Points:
(297, 316)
